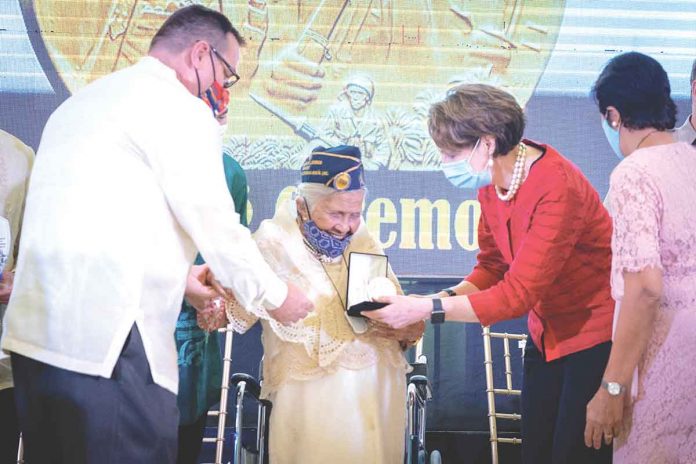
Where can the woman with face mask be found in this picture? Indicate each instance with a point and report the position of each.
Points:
(648, 408)
(544, 241)
(338, 387)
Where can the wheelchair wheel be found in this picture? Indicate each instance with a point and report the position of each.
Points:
(435, 457)
(415, 452)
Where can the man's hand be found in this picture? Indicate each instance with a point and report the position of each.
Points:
(295, 307)
(199, 288)
(604, 418)
(6, 287)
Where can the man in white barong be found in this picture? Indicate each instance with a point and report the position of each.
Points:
(127, 185)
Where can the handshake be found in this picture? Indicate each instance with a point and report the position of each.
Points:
(210, 299)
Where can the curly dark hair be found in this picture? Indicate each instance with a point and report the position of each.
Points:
(638, 87)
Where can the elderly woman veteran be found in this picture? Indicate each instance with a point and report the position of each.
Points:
(544, 240)
(649, 408)
(338, 396)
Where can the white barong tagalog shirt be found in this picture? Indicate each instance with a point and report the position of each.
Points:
(128, 183)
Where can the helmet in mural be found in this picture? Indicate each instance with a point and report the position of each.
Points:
(362, 82)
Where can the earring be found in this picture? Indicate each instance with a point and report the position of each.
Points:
(614, 124)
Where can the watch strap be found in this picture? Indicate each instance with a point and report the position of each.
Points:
(449, 291)
(438, 314)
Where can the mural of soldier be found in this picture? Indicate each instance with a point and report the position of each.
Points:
(301, 52)
(310, 47)
(353, 121)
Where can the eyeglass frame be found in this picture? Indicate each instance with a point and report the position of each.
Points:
(228, 82)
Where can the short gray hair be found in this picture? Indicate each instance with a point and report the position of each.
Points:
(314, 193)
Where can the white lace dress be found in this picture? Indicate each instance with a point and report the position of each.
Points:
(653, 203)
(337, 397)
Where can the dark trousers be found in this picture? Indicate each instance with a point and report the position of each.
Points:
(72, 418)
(191, 441)
(9, 427)
(554, 400)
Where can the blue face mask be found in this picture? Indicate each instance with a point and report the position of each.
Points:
(462, 175)
(612, 136)
(323, 242)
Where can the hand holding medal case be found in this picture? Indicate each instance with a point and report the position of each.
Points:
(367, 280)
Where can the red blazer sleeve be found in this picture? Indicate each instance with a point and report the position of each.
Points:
(490, 266)
(554, 230)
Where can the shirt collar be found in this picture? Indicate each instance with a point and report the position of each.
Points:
(152, 65)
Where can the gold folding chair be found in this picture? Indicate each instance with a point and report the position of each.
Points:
(491, 391)
(221, 413)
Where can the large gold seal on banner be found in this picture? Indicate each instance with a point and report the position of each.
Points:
(87, 39)
(359, 72)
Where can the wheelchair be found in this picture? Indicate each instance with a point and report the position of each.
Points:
(244, 385)
(418, 394)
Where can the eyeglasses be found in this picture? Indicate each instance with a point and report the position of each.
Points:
(233, 77)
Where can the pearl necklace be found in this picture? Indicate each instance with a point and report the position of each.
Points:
(517, 175)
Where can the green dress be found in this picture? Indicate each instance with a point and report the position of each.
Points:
(199, 358)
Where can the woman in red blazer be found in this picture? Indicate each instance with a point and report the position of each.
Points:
(545, 251)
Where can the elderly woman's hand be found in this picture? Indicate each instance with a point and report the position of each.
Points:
(213, 315)
(401, 311)
(407, 336)
(604, 418)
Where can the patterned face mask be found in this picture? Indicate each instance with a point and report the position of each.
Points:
(323, 242)
(217, 97)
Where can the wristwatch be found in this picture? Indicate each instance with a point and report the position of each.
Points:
(613, 388)
(449, 292)
(438, 314)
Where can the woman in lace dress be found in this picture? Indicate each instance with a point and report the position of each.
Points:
(647, 404)
(338, 396)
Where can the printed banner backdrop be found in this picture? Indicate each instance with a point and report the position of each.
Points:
(364, 72)
(326, 72)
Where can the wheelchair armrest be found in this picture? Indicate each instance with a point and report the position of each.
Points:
(418, 369)
(418, 380)
(252, 385)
